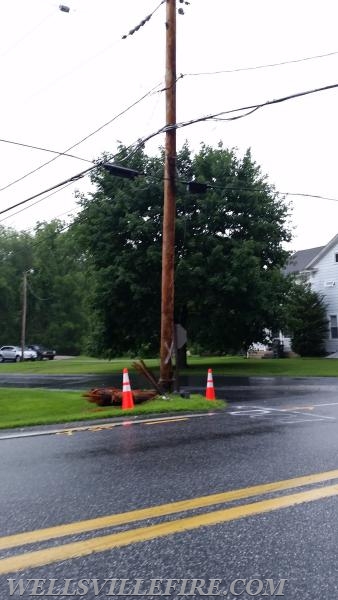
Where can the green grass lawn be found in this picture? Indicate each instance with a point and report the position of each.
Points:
(230, 366)
(289, 367)
(70, 366)
(23, 407)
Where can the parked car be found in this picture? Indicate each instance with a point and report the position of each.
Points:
(43, 352)
(14, 353)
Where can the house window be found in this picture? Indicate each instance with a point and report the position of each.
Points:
(333, 326)
(336, 257)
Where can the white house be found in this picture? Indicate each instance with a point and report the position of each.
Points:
(319, 267)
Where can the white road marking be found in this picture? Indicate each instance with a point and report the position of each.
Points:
(301, 421)
(297, 412)
(326, 404)
(257, 411)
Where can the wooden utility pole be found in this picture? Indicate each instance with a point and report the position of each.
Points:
(169, 204)
(24, 314)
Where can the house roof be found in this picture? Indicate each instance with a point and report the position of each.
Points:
(299, 260)
(323, 251)
(306, 259)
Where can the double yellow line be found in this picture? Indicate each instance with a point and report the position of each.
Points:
(101, 543)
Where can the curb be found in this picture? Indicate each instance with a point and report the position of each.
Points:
(78, 426)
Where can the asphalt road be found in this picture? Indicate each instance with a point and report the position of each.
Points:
(229, 388)
(287, 531)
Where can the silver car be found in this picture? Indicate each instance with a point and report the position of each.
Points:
(13, 353)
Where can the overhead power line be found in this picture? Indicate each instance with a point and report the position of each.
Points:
(56, 191)
(144, 21)
(264, 66)
(45, 150)
(62, 186)
(118, 170)
(251, 108)
(216, 116)
(27, 34)
(125, 110)
(195, 187)
(199, 187)
(53, 187)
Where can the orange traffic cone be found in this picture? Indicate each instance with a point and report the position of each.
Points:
(210, 391)
(127, 395)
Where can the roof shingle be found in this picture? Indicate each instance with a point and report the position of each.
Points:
(299, 260)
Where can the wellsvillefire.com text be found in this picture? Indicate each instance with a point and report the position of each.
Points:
(138, 587)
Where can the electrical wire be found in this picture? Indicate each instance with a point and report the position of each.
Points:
(80, 65)
(17, 42)
(183, 182)
(211, 186)
(31, 147)
(144, 21)
(150, 92)
(265, 66)
(140, 143)
(215, 117)
(60, 189)
(134, 148)
(251, 108)
(239, 189)
(57, 185)
(68, 212)
(223, 188)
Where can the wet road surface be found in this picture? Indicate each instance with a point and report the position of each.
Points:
(229, 388)
(280, 433)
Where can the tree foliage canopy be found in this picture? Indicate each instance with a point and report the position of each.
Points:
(57, 288)
(229, 253)
(96, 285)
(307, 320)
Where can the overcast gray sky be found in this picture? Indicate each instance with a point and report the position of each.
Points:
(63, 75)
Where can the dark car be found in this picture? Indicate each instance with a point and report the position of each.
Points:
(43, 352)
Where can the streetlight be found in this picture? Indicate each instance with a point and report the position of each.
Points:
(24, 310)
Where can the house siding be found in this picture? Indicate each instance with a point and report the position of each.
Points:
(324, 280)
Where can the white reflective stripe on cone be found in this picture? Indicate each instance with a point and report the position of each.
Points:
(126, 382)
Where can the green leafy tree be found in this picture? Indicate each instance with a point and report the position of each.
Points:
(307, 320)
(57, 290)
(15, 258)
(229, 253)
